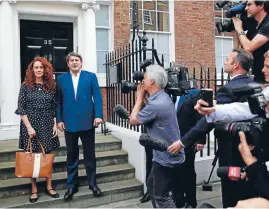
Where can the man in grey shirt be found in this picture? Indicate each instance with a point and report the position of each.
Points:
(160, 119)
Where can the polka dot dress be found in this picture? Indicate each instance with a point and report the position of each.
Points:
(39, 106)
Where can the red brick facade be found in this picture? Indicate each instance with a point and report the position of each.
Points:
(194, 32)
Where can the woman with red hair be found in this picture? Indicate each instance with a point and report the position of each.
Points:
(36, 107)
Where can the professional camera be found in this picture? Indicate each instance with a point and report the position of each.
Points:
(178, 80)
(256, 129)
(239, 9)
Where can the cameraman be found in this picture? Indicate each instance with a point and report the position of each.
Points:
(159, 117)
(257, 41)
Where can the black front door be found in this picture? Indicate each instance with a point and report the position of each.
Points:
(52, 40)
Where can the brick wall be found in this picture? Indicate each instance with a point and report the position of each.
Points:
(194, 33)
(121, 23)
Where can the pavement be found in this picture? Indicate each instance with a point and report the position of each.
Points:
(211, 197)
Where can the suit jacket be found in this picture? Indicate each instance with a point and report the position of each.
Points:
(187, 116)
(78, 112)
(223, 96)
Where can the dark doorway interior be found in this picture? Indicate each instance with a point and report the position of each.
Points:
(52, 40)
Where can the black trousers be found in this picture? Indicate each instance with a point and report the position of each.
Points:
(149, 156)
(233, 191)
(165, 186)
(189, 176)
(88, 143)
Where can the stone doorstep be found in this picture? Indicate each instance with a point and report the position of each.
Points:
(61, 176)
(113, 191)
(7, 169)
(12, 144)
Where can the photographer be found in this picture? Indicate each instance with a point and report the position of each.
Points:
(257, 41)
(159, 117)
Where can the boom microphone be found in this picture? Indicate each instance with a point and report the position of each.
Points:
(121, 111)
(232, 172)
(158, 144)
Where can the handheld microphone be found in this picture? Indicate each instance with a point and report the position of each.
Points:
(232, 172)
(158, 144)
(121, 111)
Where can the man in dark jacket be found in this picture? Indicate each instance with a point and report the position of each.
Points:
(187, 118)
(237, 66)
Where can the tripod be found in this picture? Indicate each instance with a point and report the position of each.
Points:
(206, 186)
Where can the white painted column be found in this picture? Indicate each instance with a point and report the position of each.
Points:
(89, 8)
(8, 96)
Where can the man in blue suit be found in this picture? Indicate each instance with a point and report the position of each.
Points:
(79, 111)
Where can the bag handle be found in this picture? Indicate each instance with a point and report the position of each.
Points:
(29, 145)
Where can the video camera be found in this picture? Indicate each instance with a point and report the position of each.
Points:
(178, 80)
(238, 9)
(256, 129)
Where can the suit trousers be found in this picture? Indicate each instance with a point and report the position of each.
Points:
(88, 143)
(189, 176)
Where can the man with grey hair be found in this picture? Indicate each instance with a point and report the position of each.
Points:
(159, 117)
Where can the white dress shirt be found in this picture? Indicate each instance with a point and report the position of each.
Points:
(75, 79)
(234, 112)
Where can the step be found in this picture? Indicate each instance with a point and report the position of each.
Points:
(112, 192)
(7, 169)
(20, 186)
(102, 143)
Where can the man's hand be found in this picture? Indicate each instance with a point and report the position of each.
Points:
(200, 107)
(97, 121)
(238, 25)
(175, 147)
(253, 203)
(61, 126)
(200, 147)
(244, 149)
(140, 92)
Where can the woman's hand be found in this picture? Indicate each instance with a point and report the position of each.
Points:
(31, 132)
(55, 130)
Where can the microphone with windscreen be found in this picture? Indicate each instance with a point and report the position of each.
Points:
(231, 172)
(158, 144)
(121, 111)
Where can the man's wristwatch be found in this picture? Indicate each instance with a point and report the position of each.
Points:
(241, 33)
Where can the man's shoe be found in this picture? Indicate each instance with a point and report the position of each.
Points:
(69, 194)
(189, 206)
(96, 191)
(145, 198)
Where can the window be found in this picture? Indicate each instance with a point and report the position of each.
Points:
(102, 24)
(147, 17)
(154, 18)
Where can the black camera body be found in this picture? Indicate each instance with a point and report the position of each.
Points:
(239, 9)
(178, 80)
(256, 129)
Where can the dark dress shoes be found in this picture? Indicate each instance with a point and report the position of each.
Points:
(56, 195)
(33, 200)
(145, 198)
(96, 191)
(69, 194)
